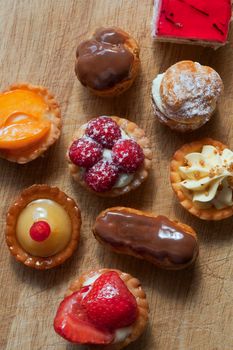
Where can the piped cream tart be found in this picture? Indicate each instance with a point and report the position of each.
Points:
(30, 122)
(109, 156)
(43, 227)
(104, 309)
(202, 179)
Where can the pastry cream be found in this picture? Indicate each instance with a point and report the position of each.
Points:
(208, 175)
(22, 118)
(57, 218)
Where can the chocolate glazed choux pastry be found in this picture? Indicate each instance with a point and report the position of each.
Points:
(108, 63)
(185, 96)
(165, 243)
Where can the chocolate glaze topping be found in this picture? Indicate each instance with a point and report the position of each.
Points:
(103, 61)
(156, 238)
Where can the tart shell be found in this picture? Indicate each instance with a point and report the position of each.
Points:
(183, 195)
(139, 176)
(25, 155)
(135, 288)
(28, 195)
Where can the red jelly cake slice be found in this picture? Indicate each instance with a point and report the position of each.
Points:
(204, 22)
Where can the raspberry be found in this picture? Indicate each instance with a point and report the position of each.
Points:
(40, 231)
(104, 130)
(109, 304)
(102, 176)
(85, 152)
(128, 155)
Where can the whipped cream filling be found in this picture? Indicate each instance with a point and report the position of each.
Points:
(123, 178)
(156, 92)
(121, 333)
(208, 175)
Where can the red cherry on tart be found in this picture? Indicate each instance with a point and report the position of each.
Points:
(109, 156)
(104, 307)
(39, 231)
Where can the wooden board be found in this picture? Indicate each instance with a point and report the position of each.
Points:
(190, 310)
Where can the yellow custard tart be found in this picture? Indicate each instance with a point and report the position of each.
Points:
(43, 227)
(30, 122)
(202, 179)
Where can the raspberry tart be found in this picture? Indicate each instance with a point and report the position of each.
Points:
(105, 309)
(43, 227)
(185, 96)
(108, 63)
(202, 179)
(109, 156)
(203, 22)
(30, 122)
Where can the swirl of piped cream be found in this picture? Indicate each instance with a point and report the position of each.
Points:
(209, 176)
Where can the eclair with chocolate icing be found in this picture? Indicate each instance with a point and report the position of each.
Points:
(108, 62)
(166, 243)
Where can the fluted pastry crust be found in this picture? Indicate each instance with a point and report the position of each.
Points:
(23, 156)
(182, 194)
(139, 176)
(135, 288)
(28, 195)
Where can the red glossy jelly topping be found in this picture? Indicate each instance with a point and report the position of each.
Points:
(40, 231)
(194, 19)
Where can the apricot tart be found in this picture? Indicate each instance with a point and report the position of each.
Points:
(105, 309)
(43, 227)
(30, 122)
(202, 179)
(109, 156)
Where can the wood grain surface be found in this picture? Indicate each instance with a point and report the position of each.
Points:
(190, 310)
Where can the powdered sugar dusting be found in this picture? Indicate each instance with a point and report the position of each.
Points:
(190, 90)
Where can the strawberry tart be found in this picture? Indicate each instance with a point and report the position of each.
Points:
(109, 156)
(105, 309)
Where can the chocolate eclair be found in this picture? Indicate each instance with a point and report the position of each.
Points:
(165, 243)
(108, 62)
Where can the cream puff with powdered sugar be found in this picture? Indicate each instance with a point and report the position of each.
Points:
(185, 96)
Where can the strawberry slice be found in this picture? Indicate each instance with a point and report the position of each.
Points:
(72, 323)
(109, 303)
